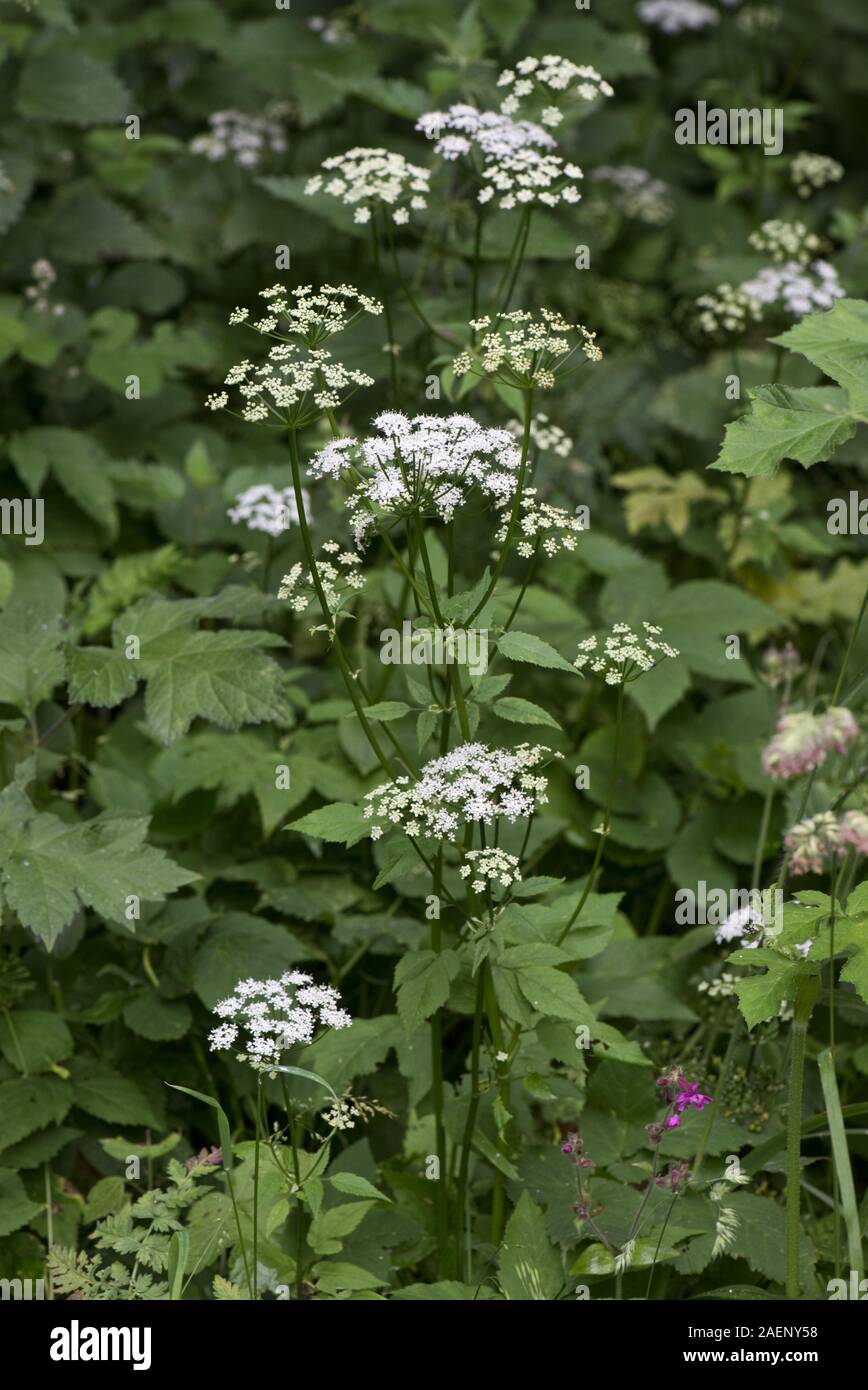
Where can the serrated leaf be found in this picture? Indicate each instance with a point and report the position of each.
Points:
(525, 646)
(837, 342)
(100, 676)
(422, 981)
(784, 423)
(518, 711)
(104, 1092)
(342, 823)
(528, 1264)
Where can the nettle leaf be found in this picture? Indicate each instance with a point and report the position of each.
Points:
(785, 423)
(51, 867)
(240, 946)
(524, 646)
(422, 980)
(528, 1265)
(837, 342)
(100, 676)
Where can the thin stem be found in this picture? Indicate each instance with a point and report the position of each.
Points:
(603, 832)
(256, 1188)
(516, 508)
(470, 1123)
(387, 309)
(806, 994)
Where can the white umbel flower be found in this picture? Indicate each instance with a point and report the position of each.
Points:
(545, 81)
(263, 1019)
(265, 508)
(427, 466)
(525, 349)
(514, 160)
(239, 136)
(469, 785)
(366, 178)
(676, 16)
(625, 655)
(542, 525)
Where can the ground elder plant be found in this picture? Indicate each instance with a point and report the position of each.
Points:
(433, 573)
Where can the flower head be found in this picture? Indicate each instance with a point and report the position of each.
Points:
(675, 16)
(812, 171)
(339, 576)
(514, 160)
(490, 866)
(310, 315)
(427, 465)
(853, 830)
(637, 193)
(367, 179)
(263, 1019)
(802, 741)
(542, 526)
(624, 655)
(546, 81)
(242, 137)
(525, 349)
(468, 785)
(265, 508)
(812, 843)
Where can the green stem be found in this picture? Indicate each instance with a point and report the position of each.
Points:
(806, 994)
(516, 508)
(519, 260)
(470, 1123)
(256, 1189)
(761, 837)
(387, 309)
(604, 830)
(498, 1198)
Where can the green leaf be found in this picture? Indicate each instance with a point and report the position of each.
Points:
(76, 461)
(223, 1129)
(760, 996)
(30, 1104)
(328, 1230)
(524, 646)
(341, 822)
(518, 711)
(51, 867)
(160, 1020)
(356, 1186)
(16, 1208)
(422, 980)
(104, 1092)
(33, 663)
(551, 992)
(100, 676)
(837, 342)
(240, 946)
(32, 1040)
(387, 710)
(528, 1264)
(806, 425)
(62, 83)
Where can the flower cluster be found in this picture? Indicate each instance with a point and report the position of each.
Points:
(723, 987)
(547, 79)
(425, 465)
(243, 137)
(339, 576)
(786, 241)
(265, 508)
(264, 1018)
(781, 666)
(312, 316)
(637, 193)
(524, 349)
(798, 289)
(812, 171)
(468, 785)
(680, 1094)
(623, 656)
(293, 386)
(488, 866)
(545, 436)
(674, 16)
(39, 292)
(541, 524)
(747, 920)
(726, 309)
(514, 159)
(811, 843)
(365, 179)
(802, 741)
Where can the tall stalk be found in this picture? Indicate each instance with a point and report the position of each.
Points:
(803, 1006)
